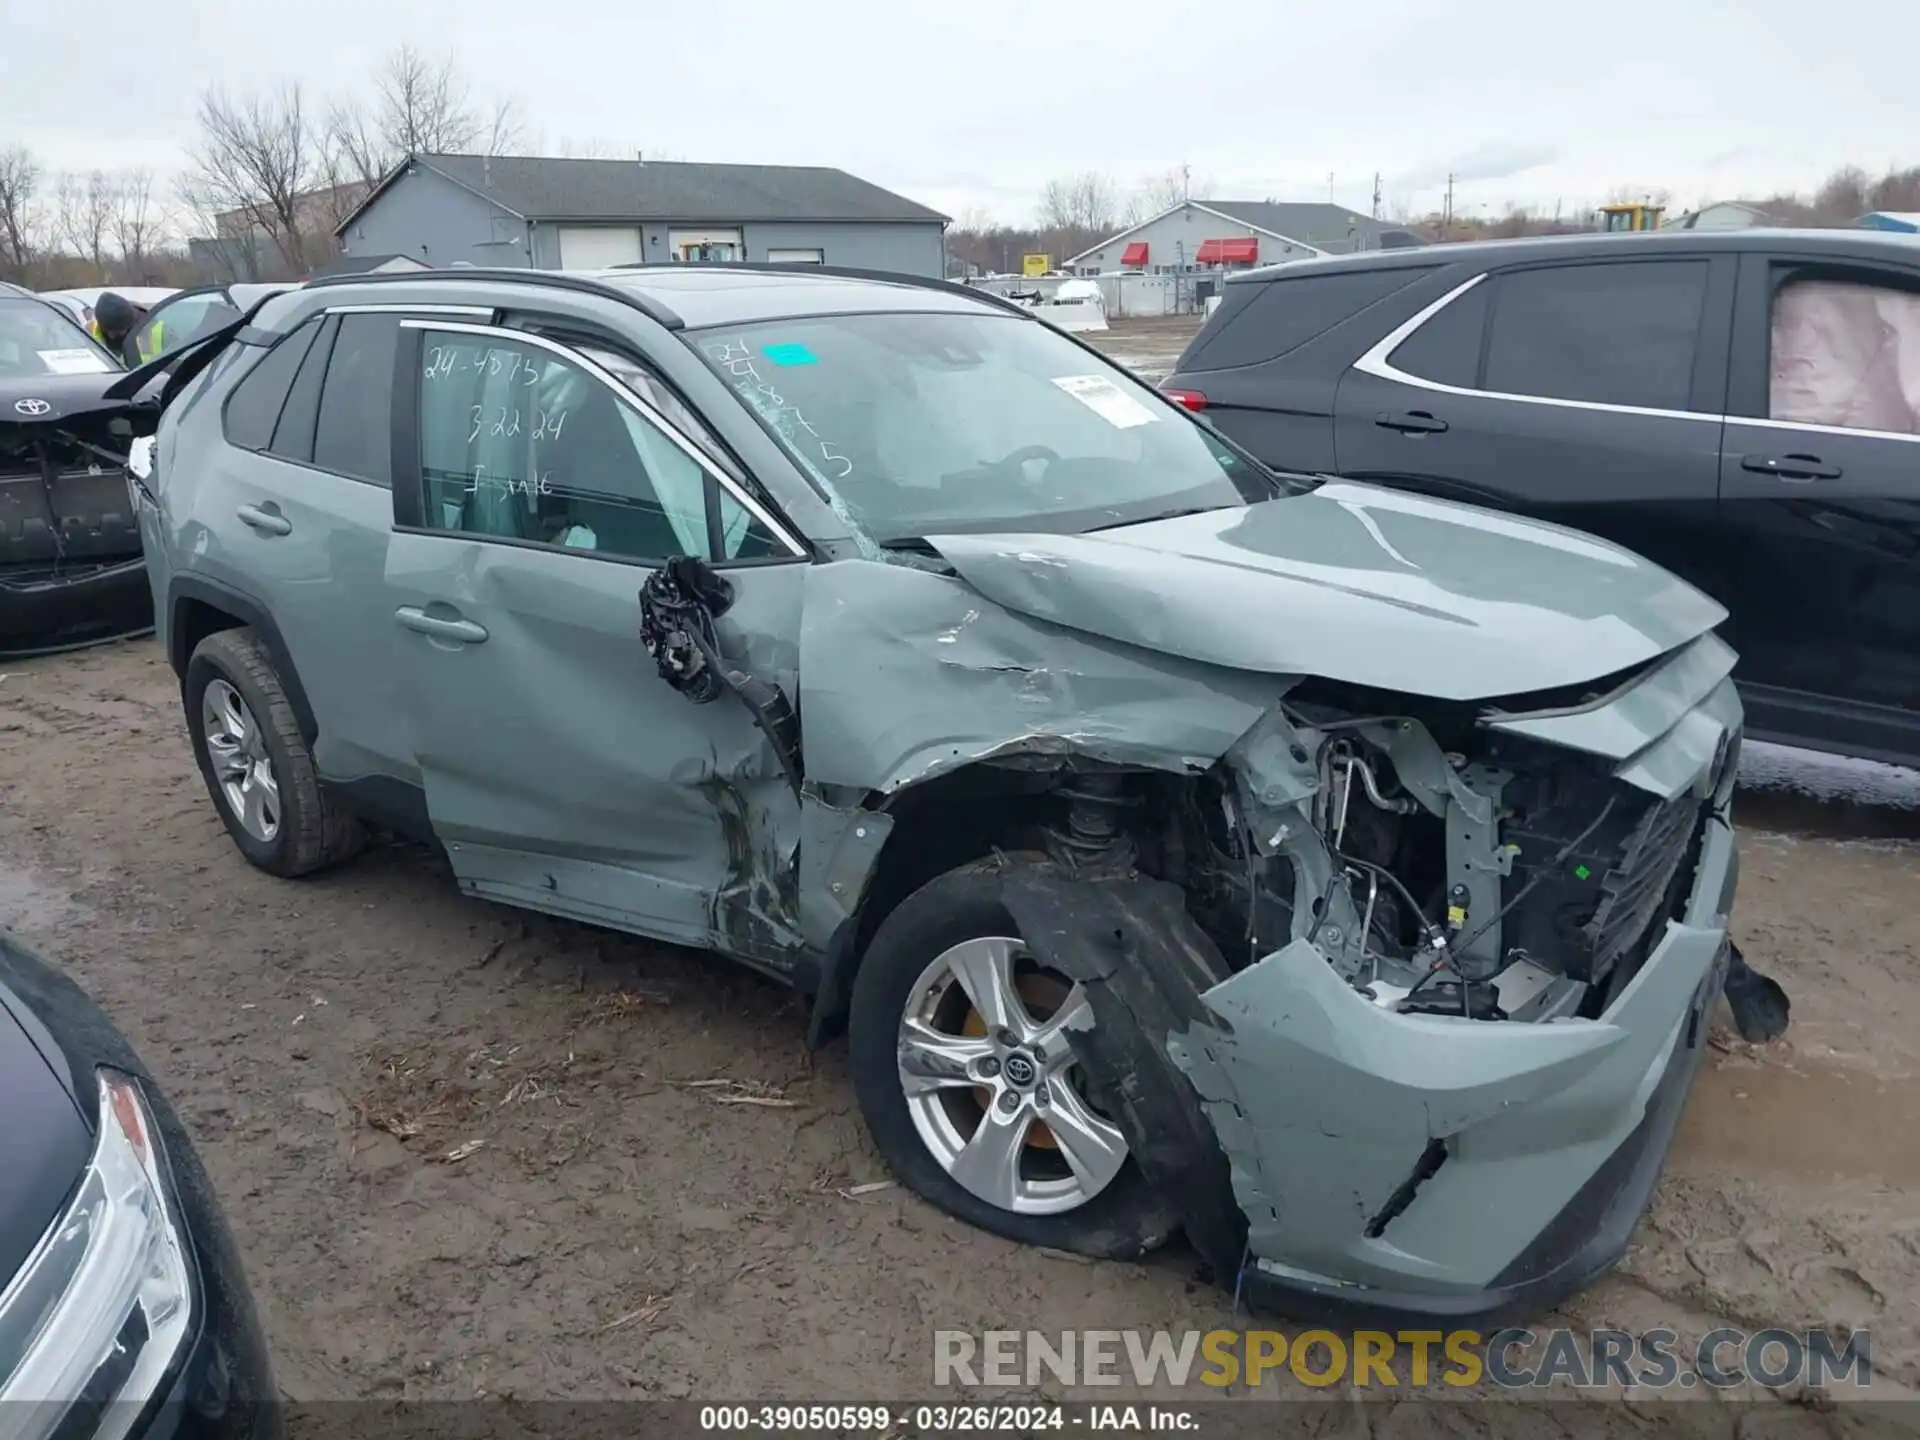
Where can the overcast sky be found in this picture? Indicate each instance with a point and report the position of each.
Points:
(975, 106)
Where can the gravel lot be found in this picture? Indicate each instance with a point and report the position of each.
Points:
(658, 1192)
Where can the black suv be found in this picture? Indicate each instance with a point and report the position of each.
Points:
(1742, 407)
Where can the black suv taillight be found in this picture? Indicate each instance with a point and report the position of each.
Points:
(1186, 399)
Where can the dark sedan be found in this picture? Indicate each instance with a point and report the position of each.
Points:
(123, 1309)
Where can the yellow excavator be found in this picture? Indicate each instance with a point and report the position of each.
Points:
(1623, 218)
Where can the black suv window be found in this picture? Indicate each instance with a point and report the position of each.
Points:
(1619, 334)
(356, 402)
(253, 409)
(1264, 320)
(1446, 350)
(517, 443)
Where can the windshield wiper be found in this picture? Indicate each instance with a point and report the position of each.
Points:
(1150, 519)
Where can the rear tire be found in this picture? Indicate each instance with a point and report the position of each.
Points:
(257, 766)
(1122, 1218)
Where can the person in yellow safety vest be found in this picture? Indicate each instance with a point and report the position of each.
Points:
(115, 318)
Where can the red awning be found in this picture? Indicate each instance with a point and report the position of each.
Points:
(1229, 252)
(1135, 255)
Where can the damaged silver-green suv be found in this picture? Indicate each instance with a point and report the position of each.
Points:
(1339, 875)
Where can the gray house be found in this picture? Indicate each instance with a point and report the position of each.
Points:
(587, 214)
(1204, 235)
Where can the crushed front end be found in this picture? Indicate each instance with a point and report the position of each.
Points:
(1448, 973)
(71, 569)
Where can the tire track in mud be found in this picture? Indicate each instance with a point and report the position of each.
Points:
(619, 1231)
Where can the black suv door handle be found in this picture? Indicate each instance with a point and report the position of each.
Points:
(266, 519)
(1411, 422)
(461, 632)
(1790, 467)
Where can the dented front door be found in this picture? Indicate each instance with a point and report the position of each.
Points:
(561, 772)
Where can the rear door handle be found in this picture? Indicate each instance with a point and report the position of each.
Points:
(1790, 467)
(462, 632)
(267, 522)
(1411, 422)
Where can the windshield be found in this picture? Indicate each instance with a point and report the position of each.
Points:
(923, 424)
(37, 340)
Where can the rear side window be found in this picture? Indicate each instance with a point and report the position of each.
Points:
(1284, 314)
(354, 436)
(1618, 334)
(253, 409)
(293, 436)
(1446, 350)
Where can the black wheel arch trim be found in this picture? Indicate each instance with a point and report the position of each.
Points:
(249, 612)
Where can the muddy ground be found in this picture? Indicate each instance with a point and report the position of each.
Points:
(657, 1190)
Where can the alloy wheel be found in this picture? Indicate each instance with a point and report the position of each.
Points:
(992, 1085)
(241, 765)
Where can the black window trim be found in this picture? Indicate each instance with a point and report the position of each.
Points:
(1376, 361)
(410, 514)
(318, 321)
(1760, 281)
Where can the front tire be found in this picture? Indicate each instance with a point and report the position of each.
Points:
(257, 766)
(963, 1065)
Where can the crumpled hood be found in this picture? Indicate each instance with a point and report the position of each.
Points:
(1355, 583)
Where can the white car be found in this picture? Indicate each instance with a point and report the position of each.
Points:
(79, 303)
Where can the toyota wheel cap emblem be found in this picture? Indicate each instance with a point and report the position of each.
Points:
(32, 407)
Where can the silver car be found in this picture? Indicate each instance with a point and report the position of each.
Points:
(1338, 874)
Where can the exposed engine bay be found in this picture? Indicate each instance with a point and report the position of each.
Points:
(1441, 869)
(63, 488)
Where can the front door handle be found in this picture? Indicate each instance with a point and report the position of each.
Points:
(1411, 422)
(1790, 467)
(268, 521)
(461, 632)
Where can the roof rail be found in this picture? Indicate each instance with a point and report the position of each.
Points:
(842, 272)
(553, 279)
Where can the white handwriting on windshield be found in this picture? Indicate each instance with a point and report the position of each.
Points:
(737, 360)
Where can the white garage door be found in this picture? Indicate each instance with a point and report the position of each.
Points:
(594, 247)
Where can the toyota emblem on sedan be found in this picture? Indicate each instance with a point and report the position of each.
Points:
(32, 407)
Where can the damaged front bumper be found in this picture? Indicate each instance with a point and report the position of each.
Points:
(1335, 1154)
(1396, 1166)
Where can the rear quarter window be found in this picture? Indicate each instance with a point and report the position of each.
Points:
(253, 409)
(1282, 314)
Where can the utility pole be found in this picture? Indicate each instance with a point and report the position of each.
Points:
(1376, 194)
(1186, 183)
(1329, 187)
(1446, 215)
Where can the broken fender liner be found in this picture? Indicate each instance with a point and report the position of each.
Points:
(1144, 963)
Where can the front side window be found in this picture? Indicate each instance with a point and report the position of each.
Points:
(917, 424)
(177, 321)
(1845, 353)
(520, 444)
(1616, 334)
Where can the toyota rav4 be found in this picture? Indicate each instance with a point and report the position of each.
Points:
(1340, 874)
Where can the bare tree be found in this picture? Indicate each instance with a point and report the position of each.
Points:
(137, 222)
(1088, 201)
(422, 105)
(20, 177)
(83, 216)
(255, 160)
(1157, 194)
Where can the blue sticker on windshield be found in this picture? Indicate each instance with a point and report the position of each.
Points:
(792, 353)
